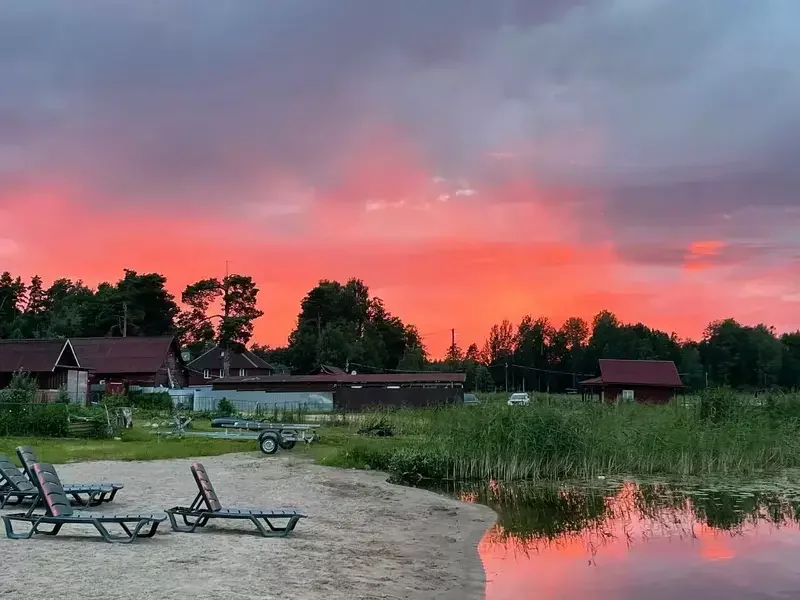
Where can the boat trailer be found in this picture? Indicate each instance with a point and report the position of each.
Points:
(271, 437)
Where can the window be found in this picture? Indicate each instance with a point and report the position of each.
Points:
(627, 394)
(242, 372)
(206, 373)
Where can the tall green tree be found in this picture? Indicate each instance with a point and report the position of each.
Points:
(341, 324)
(219, 311)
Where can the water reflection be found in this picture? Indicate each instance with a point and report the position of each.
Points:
(627, 540)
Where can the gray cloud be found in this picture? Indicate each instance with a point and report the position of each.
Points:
(678, 111)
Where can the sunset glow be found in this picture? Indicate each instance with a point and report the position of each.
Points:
(457, 205)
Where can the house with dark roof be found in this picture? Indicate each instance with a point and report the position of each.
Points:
(53, 363)
(328, 370)
(353, 392)
(209, 366)
(147, 361)
(650, 381)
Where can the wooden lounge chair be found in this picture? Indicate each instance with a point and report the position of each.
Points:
(59, 512)
(206, 506)
(15, 488)
(27, 456)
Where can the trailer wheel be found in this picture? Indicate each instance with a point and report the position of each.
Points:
(288, 444)
(268, 442)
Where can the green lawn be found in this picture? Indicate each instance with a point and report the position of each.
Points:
(137, 444)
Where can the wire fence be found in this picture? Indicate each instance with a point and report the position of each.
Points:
(253, 407)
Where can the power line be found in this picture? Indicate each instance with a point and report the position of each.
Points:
(393, 370)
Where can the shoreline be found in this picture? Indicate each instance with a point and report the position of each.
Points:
(364, 538)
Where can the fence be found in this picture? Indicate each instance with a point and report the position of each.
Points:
(255, 407)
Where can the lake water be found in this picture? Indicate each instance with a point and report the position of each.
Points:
(641, 541)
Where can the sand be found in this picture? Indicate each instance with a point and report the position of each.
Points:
(364, 538)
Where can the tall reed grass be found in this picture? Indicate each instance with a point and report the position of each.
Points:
(721, 433)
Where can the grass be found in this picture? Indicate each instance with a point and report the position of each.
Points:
(555, 438)
(135, 444)
(720, 433)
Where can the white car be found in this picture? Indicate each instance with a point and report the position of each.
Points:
(519, 399)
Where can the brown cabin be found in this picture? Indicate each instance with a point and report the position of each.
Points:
(147, 361)
(52, 363)
(648, 381)
(208, 367)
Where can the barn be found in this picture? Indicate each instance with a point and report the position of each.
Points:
(350, 392)
(647, 381)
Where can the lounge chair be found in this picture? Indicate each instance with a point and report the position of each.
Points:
(27, 456)
(15, 488)
(59, 512)
(206, 506)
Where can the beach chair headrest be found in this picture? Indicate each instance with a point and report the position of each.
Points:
(206, 489)
(10, 473)
(27, 456)
(55, 500)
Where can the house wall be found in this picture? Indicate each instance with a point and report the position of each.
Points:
(78, 386)
(143, 379)
(364, 398)
(74, 381)
(252, 401)
(196, 377)
(172, 363)
(641, 393)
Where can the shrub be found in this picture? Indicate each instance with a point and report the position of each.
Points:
(25, 419)
(63, 396)
(115, 400)
(161, 401)
(21, 389)
(225, 408)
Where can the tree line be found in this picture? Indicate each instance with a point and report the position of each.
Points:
(344, 326)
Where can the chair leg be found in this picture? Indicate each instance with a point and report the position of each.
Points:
(288, 528)
(119, 539)
(271, 530)
(150, 532)
(54, 531)
(13, 535)
(77, 498)
(188, 526)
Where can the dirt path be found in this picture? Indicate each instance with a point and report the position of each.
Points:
(364, 539)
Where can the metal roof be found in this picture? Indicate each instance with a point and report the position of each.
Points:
(656, 373)
(387, 378)
(39, 356)
(239, 360)
(134, 354)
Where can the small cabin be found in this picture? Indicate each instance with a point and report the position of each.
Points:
(646, 381)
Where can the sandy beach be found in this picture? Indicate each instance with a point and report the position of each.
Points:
(364, 538)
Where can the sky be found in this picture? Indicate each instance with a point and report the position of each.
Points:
(470, 160)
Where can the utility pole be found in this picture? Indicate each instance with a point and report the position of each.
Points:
(319, 340)
(506, 378)
(226, 355)
(453, 339)
(124, 319)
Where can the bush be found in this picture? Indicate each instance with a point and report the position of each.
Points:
(25, 419)
(225, 408)
(63, 396)
(161, 401)
(115, 400)
(21, 389)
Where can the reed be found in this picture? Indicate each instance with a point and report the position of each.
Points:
(719, 434)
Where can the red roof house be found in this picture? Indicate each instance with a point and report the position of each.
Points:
(652, 381)
(136, 360)
(51, 362)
